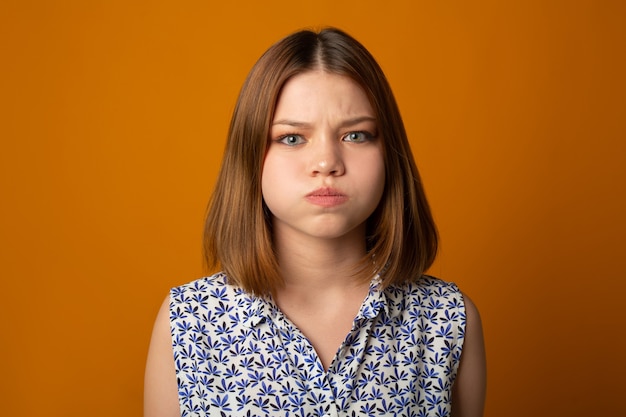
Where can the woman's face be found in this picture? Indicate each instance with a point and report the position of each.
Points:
(324, 173)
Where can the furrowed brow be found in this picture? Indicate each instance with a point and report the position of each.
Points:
(293, 123)
(344, 123)
(357, 120)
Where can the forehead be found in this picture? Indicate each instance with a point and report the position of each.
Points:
(317, 92)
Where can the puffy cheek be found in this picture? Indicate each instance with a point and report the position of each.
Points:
(273, 184)
(378, 187)
(267, 187)
(373, 175)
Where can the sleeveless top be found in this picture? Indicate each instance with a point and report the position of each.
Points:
(237, 355)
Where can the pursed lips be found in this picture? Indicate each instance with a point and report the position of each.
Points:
(326, 197)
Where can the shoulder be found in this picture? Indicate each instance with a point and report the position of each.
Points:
(204, 289)
(427, 291)
(209, 299)
(471, 313)
(430, 285)
(436, 308)
(203, 284)
(437, 286)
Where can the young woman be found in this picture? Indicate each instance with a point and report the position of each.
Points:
(321, 227)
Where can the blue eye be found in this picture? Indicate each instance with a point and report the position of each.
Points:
(357, 137)
(291, 140)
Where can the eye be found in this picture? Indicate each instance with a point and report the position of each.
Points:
(291, 140)
(358, 137)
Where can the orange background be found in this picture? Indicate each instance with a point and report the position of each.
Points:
(112, 125)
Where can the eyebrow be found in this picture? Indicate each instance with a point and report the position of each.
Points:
(344, 123)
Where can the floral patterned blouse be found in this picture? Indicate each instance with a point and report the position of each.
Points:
(238, 355)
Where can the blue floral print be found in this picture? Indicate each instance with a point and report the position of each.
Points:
(238, 355)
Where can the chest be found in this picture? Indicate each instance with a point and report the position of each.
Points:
(381, 368)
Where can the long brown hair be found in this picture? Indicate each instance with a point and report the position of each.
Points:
(401, 234)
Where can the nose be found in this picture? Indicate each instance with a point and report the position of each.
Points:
(327, 158)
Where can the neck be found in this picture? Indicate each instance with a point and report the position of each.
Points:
(321, 265)
(320, 281)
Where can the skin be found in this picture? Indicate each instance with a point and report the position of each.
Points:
(470, 387)
(324, 136)
(160, 388)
